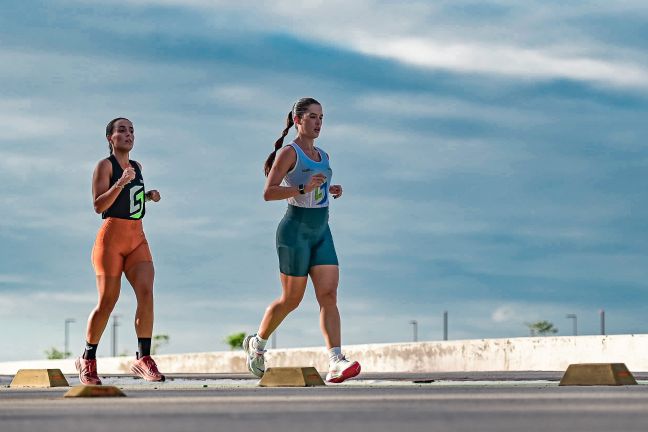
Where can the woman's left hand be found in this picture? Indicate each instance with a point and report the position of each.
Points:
(336, 191)
(153, 195)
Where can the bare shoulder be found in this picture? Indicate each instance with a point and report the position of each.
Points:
(103, 166)
(286, 157)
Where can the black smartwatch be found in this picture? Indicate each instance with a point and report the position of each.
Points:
(301, 189)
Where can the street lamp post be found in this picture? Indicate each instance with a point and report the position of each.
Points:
(415, 328)
(114, 335)
(445, 325)
(602, 315)
(66, 349)
(573, 316)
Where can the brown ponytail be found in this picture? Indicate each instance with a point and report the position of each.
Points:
(299, 108)
(277, 145)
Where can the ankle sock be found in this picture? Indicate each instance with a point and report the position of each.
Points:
(335, 353)
(143, 347)
(90, 352)
(259, 343)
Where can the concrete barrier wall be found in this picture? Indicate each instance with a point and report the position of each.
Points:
(515, 354)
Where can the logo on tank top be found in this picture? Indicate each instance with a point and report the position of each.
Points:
(321, 194)
(136, 201)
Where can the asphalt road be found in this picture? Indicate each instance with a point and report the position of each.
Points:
(376, 403)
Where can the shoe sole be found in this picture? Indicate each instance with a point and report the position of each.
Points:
(77, 365)
(140, 373)
(246, 348)
(347, 373)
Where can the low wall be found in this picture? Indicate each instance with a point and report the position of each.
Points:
(515, 354)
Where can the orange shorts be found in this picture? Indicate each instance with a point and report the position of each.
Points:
(120, 244)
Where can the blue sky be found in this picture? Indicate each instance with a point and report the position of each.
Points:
(493, 156)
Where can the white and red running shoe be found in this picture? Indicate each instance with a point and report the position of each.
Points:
(342, 369)
(146, 368)
(87, 371)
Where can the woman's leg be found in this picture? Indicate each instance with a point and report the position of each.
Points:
(325, 280)
(293, 288)
(108, 288)
(141, 276)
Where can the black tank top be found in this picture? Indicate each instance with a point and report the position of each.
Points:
(130, 201)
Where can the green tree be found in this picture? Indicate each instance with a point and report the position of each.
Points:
(158, 341)
(541, 328)
(235, 340)
(54, 354)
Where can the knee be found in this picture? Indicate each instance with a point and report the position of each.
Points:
(145, 294)
(327, 299)
(290, 303)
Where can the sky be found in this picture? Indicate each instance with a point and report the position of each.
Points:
(492, 153)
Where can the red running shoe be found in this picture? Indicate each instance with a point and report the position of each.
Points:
(146, 368)
(87, 371)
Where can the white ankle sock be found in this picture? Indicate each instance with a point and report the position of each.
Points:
(335, 353)
(260, 343)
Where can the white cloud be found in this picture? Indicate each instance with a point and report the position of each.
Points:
(503, 314)
(520, 43)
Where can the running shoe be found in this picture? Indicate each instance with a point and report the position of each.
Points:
(146, 368)
(87, 371)
(342, 369)
(255, 359)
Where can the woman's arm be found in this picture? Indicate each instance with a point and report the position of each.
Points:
(103, 194)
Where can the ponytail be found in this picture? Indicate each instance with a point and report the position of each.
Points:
(278, 144)
(299, 108)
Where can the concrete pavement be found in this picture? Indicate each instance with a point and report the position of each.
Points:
(375, 403)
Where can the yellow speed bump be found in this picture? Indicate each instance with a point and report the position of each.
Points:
(291, 377)
(586, 374)
(94, 391)
(39, 378)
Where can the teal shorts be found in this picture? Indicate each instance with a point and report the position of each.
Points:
(304, 240)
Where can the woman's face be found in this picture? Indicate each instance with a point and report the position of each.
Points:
(310, 123)
(123, 135)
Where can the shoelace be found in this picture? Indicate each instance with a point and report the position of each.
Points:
(340, 359)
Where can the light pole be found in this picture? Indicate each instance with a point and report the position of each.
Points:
(415, 328)
(273, 340)
(66, 349)
(445, 325)
(602, 315)
(573, 316)
(114, 335)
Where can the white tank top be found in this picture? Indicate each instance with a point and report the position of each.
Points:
(304, 169)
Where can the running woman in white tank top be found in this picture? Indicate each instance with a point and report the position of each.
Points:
(301, 174)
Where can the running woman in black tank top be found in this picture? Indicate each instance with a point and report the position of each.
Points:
(121, 248)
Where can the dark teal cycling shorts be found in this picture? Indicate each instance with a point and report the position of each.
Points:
(304, 240)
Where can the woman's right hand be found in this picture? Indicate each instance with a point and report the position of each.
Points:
(316, 181)
(127, 176)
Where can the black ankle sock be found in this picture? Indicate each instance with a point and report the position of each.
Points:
(90, 352)
(143, 347)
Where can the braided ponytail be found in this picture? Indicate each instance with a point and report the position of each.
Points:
(278, 144)
(299, 108)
